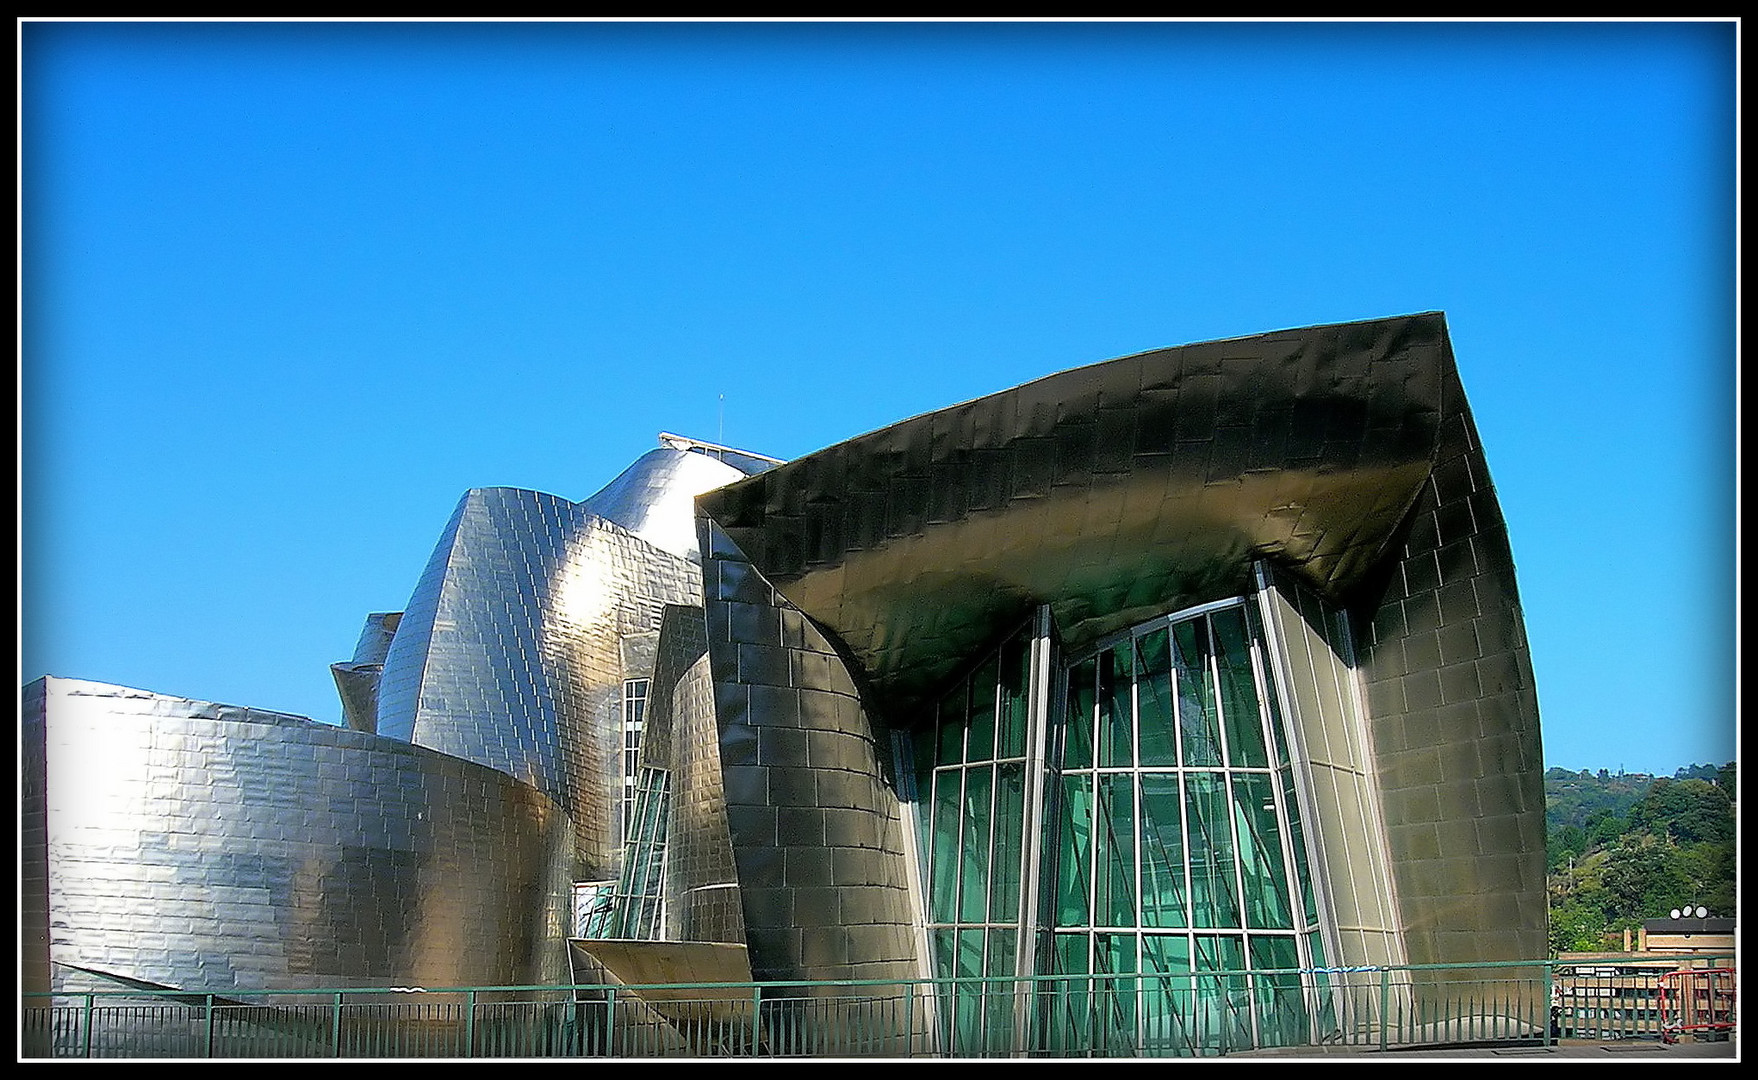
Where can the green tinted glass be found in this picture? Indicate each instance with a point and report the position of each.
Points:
(951, 742)
(1015, 683)
(1074, 850)
(980, 743)
(1070, 1005)
(1290, 804)
(1263, 872)
(1004, 870)
(1167, 1003)
(943, 865)
(1077, 752)
(1245, 727)
(1211, 850)
(1278, 999)
(968, 1021)
(974, 879)
(1223, 1002)
(1162, 851)
(1114, 840)
(1198, 730)
(1153, 691)
(1117, 996)
(1116, 717)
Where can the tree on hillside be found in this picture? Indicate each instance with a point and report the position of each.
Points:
(1626, 848)
(1642, 879)
(1689, 811)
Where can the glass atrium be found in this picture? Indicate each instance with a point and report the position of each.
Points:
(1145, 830)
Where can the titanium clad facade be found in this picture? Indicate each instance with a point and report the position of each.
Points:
(532, 618)
(357, 680)
(511, 653)
(190, 844)
(1324, 485)
(814, 820)
(1453, 712)
(1201, 659)
(701, 900)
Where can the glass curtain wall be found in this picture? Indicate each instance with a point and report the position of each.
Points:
(971, 770)
(1179, 857)
(640, 894)
(1170, 857)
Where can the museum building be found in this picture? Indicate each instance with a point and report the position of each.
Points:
(1202, 662)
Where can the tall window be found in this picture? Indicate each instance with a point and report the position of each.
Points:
(634, 715)
(1170, 857)
(1178, 845)
(971, 779)
(640, 891)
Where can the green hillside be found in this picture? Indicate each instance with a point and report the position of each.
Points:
(1628, 846)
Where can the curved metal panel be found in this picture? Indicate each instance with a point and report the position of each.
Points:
(200, 845)
(1110, 492)
(1345, 456)
(1453, 715)
(816, 827)
(511, 652)
(655, 497)
(357, 680)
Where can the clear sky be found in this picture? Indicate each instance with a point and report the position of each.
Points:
(288, 290)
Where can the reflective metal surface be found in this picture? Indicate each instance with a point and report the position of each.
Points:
(357, 680)
(654, 498)
(816, 830)
(1343, 457)
(779, 639)
(1112, 492)
(203, 845)
(511, 651)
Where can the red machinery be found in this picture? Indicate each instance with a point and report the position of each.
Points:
(1696, 1000)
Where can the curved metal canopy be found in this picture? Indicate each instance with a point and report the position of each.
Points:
(1111, 492)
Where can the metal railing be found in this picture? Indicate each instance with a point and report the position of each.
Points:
(1205, 1013)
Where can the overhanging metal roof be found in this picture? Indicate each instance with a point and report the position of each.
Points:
(1111, 492)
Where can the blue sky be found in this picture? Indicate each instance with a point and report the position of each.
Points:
(290, 289)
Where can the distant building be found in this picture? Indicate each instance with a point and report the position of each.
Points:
(1202, 659)
(1618, 994)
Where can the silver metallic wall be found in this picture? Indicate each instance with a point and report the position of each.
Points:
(1313, 651)
(357, 680)
(701, 877)
(813, 815)
(530, 615)
(511, 654)
(1453, 709)
(189, 844)
(1342, 455)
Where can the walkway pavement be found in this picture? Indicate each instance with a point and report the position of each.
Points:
(1631, 1050)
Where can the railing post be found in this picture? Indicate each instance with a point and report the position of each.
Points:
(470, 1023)
(756, 1018)
(1553, 1010)
(336, 1025)
(85, 1039)
(209, 1026)
(610, 1021)
(1385, 1002)
(909, 1019)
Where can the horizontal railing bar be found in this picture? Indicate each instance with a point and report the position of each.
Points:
(950, 980)
(1110, 1014)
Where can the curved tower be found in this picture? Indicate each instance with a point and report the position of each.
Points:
(529, 642)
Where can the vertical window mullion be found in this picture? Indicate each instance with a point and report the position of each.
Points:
(994, 802)
(1212, 672)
